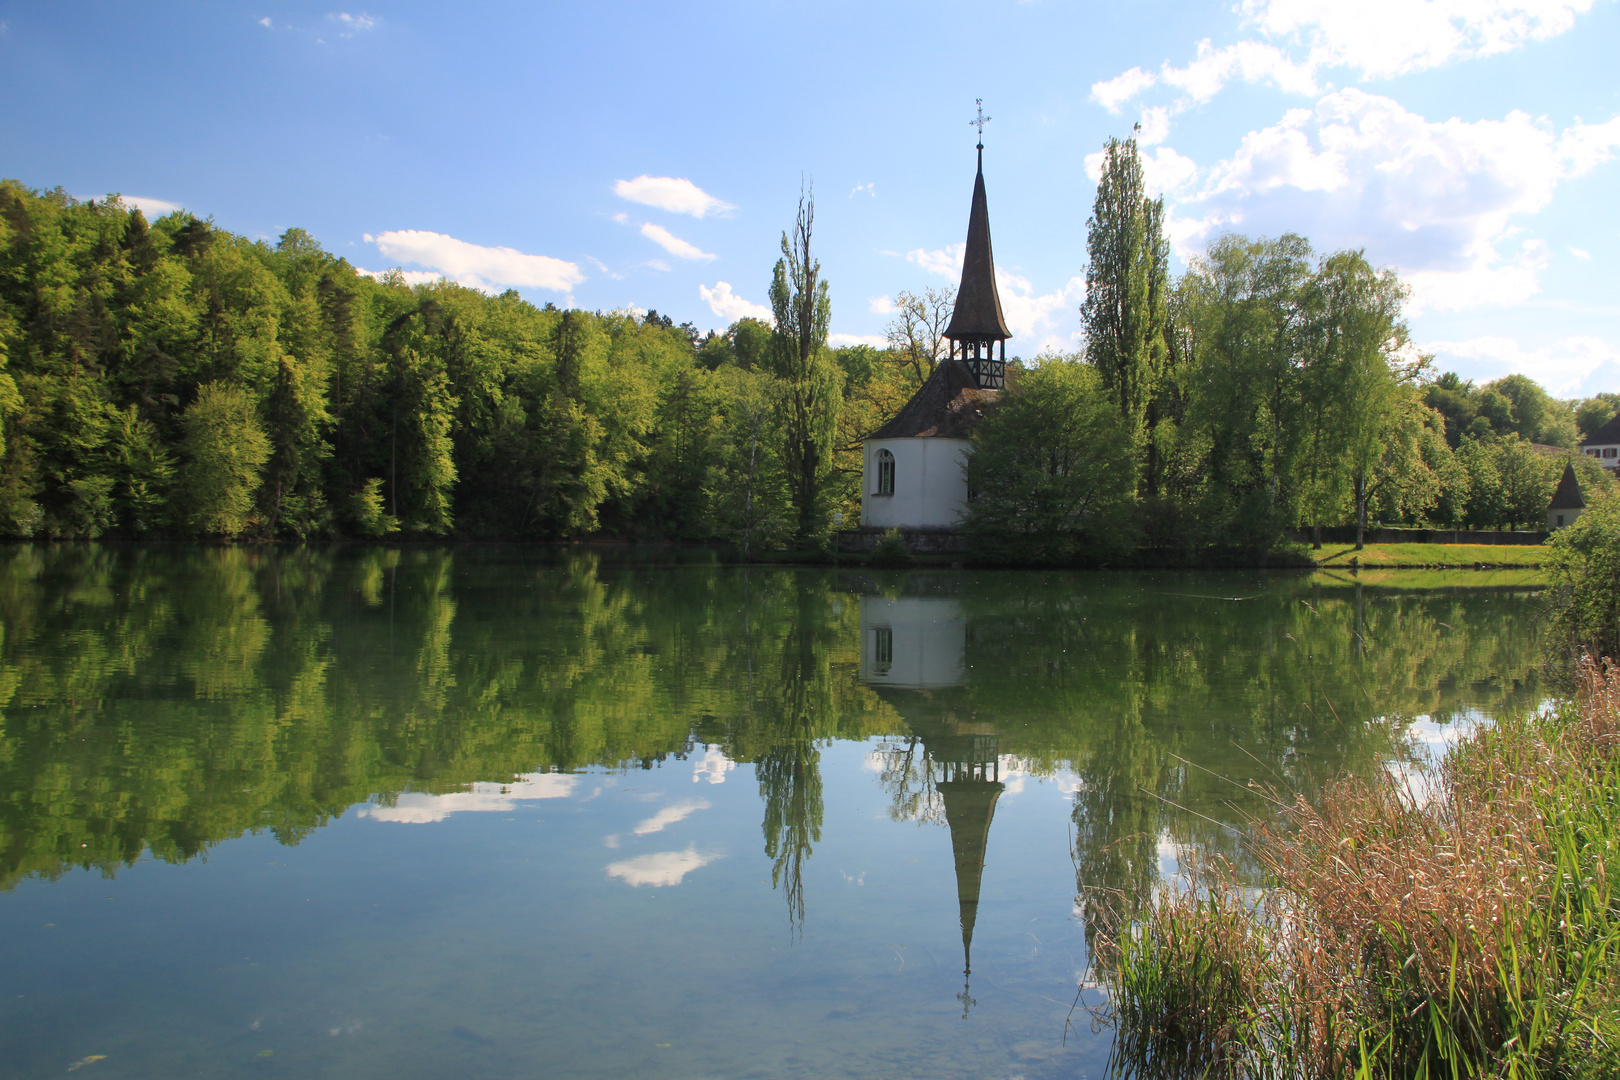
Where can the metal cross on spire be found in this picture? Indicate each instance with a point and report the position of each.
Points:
(979, 121)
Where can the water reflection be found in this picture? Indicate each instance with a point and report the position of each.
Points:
(164, 701)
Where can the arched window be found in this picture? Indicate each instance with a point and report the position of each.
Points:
(885, 473)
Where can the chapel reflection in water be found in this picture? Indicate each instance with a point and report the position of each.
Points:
(913, 654)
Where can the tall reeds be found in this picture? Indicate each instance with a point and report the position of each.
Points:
(1465, 929)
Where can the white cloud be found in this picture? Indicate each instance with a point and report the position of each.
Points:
(1249, 61)
(1154, 126)
(1437, 199)
(674, 244)
(353, 24)
(419, 809)
(880, 305)
(410, 277)
(1579, 253)
(673, 814)
(946, 262)
(870, 189)
(1372, 39)
(712, 766)
(265, 22)
(152, 208)
(843, 341)
(1567, 367)
(477, 266)
(621, 217)
(678, 196)
(1037, 317)
(1380, 39)
(1166, 172)
(659, 869)
(1113, 93)
(657, 264)
(731, 307)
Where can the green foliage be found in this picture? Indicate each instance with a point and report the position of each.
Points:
(225, 448)
(1512, 405)
(1052, 471)
(1585, 572)
(891, 550)
(812, 385)
(1127, 285)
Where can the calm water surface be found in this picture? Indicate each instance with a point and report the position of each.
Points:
(372, 812)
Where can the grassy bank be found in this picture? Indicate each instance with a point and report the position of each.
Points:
(1438, 556)
(1464, 927)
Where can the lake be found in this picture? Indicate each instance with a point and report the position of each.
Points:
(499, 812)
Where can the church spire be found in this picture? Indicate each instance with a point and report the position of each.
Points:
(976, 321)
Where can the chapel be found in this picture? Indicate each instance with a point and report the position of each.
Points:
(913, 476)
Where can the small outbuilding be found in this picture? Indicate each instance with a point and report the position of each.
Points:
(1567, 503)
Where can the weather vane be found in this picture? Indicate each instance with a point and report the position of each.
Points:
(979, 121)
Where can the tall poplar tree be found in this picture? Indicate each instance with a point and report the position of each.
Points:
(1125, 313)
(812, 387)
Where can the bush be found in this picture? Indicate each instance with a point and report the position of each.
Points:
(1585, 574)
(891, 550)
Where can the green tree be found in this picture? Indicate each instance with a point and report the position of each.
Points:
(811, 384)
(1125, 312)
(225, 448)
(1353, 337)
(1051, 472)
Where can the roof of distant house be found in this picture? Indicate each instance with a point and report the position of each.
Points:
(948, 406)
(1568, 495)
(1607, 435)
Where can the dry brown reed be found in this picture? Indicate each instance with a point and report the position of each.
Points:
(1465, 929)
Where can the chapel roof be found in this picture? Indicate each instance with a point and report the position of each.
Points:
(948, 406)
(1606, 435)
(978, 305)
(1568, 495)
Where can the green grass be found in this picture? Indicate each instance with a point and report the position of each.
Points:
(1415, 580)
(1473, 932)
(1431, 555)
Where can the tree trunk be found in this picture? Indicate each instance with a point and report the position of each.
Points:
(1361, 511)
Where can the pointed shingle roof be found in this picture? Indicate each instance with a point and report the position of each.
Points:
(1568, 495)
(978, 305)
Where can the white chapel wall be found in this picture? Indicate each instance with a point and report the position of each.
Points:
(930, 489)
(913, 642)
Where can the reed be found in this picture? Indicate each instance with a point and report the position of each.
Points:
(1469, 929)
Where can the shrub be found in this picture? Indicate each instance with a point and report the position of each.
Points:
(891, 550)
(1585, 573)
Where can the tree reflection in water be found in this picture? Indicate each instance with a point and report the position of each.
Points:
(164, 700)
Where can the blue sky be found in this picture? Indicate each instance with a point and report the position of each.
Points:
(649, 155)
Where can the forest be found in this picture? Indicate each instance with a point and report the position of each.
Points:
(169, 379)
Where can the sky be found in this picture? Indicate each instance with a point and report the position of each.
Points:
(650, 155)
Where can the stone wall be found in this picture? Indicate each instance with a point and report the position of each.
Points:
(918, 541)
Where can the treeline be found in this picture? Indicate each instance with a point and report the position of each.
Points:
(1266, 389)
(172, 379)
